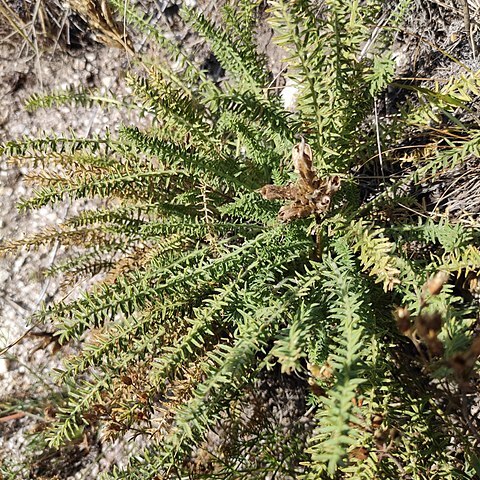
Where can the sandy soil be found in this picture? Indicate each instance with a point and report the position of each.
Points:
(22, 288)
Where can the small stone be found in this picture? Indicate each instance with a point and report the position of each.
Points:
(18, 264)
(4, 366)
(4, 116)
(289, 96)
(4, 275)
(108, 81)
(79, 64)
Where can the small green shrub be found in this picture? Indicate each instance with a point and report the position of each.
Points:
(225, 254)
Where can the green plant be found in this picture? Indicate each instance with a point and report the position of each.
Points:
(224, 254)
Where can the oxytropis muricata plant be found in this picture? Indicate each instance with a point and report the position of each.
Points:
(235, 237)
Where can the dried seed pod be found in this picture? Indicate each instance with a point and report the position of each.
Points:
(377, 420)
(278, 192)
(475, 347)
(357, 401)
(302, 162)
(334, 183)
(435, 284)
(309, 195)
(314, 195)
(360, 453)
(435, 346)
(294, 211)
(463, 363)
(323, 203)
(403, 320)
(459, 365)
(428, 325)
